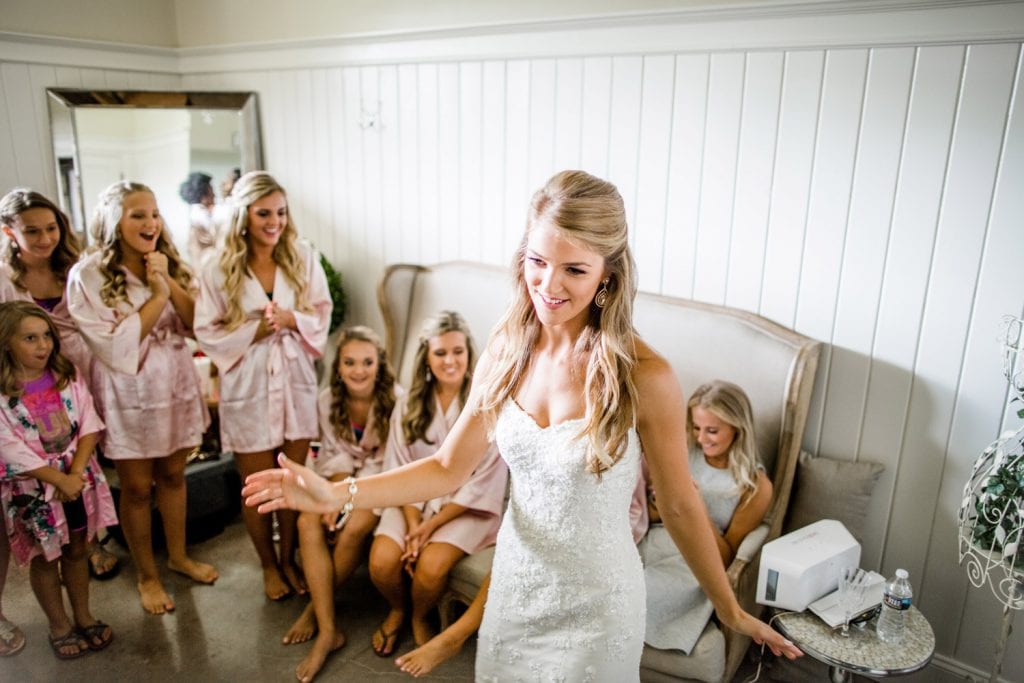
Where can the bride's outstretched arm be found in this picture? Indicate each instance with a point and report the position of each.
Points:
(295, 487)
(661, 424)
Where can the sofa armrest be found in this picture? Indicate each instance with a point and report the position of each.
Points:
(749, 547)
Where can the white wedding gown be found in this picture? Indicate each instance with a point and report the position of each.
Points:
(567, 589)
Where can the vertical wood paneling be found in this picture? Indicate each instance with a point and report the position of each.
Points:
(983, 386)
(624, 132)
(689, 113)
(492, 150)
(471, 227)
(9, 176)
(42, 77)
(867, 237)
(360, 278)
(517, 133)
(321, 206)
(23, 123)
(430, 230)
(340, 188)
(758, 127)
(409, 164)
(652, 172)
(370, 103)
(541, 154)
(934, 93)
(391, 164)
(718, 181)
(568, 113)
(595, 122)
(448, 156)
(974, 153)
(798, 123)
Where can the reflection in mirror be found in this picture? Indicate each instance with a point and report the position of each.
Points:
(158, 139)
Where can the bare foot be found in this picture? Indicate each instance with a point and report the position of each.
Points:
(421, 631)
(425, 658)
(303, 628)
(324, 645)
(200, 572)
(294, 577)
(385, 638)
(274, 584)
(154, 598)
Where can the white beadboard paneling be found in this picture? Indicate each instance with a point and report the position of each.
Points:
(370, 103)
(568, 112)
(430, 229)
(30, 167)
(759, 122)
(931, 109)
(798, 123)
(492, 150)
(448, 155)
(718, 184)
(652, 172)
(391, 163)
(339, 187)
(470, 131)
(867, 237)
(981, 386)
(974, 153)
(541, 148)
(624, 130)
(42, 77)
(9, 176)
(409, 166)
(595, 120)
(689, 113)
(360, 277)
(517, 133)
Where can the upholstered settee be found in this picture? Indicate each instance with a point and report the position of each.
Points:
(776, 367)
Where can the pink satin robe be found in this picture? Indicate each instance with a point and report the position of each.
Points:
(147, 392)
(268, 389)
(72, 346)
(34, 522)
(340, 456)
(483, 494)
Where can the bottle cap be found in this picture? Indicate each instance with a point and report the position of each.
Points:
(902, 573)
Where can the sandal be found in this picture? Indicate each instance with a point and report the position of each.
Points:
(94, 633)
(385, 639)
(69, 639)
(100, 557)
(12, 639)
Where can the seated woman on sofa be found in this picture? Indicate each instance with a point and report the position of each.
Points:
(426, 540)
(737, 492)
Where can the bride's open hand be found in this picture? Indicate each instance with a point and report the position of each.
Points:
(763, 634)
(292, 487)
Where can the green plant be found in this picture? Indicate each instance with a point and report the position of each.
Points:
(337, 291)
(998, 511)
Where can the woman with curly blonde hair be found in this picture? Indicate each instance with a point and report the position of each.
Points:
(568, 391)
(133, 301)
(262, 316)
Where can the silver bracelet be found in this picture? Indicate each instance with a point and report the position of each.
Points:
(346, 509)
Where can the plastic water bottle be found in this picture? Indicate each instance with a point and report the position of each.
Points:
(895, 605)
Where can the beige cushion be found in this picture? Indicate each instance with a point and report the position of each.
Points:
(469, 572)
(825, 488)
(705, 663)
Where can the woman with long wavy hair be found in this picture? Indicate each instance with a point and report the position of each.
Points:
(133, 301)
(262, 316)
(568, 391)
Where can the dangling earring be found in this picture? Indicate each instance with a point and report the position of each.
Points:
(429, 375)
(601, 298)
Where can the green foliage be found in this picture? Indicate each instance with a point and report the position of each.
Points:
(337, 293)
(998, 512)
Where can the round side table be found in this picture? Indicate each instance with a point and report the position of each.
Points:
(863, 651)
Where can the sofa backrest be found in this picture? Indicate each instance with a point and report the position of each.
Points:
(774, 365)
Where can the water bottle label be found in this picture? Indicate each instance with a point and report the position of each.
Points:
(896, 603)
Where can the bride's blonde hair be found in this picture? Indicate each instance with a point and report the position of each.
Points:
(589, 212)
(234, 256)
(104, 231)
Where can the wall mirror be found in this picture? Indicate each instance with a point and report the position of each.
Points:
(156, 138)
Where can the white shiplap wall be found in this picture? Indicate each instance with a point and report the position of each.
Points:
(867, 194)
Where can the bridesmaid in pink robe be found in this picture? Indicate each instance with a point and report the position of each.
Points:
(132, 300)
(262, 316)
(355, 417)
(426, 540)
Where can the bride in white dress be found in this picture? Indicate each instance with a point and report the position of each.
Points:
(570, 392)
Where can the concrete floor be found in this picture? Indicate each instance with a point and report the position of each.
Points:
(231, 632)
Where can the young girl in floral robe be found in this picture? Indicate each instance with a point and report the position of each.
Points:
(52, 491)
